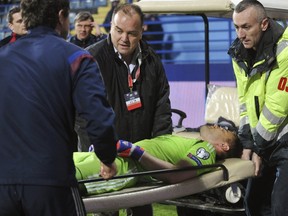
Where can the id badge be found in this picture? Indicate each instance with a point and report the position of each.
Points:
(132, 100)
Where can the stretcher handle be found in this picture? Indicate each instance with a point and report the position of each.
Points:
(153, 172)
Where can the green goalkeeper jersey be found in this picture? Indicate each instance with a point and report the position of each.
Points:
(169, 148)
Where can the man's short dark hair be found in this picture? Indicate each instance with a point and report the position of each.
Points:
(244, 4)
(12, 11)
(43, 12)
(83, 16)
(127, 8)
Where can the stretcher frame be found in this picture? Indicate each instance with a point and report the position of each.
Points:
(148, 193)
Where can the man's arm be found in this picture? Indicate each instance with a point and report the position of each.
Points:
(150, 162)
(89, 98)
(244, 132)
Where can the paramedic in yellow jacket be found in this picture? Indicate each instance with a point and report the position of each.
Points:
(260, 61)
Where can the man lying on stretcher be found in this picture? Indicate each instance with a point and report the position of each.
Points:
(163, 152)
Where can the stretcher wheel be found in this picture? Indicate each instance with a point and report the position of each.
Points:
(233, 193)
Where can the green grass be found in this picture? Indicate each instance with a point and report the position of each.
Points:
(159, 210)
(164, 210)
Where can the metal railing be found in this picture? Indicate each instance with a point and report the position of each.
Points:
(184, 39)
(91, 5)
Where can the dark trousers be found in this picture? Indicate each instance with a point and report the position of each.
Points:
(145, 210)
(32, 200)
(267, 195)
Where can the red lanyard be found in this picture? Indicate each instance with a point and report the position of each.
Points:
(130, 80)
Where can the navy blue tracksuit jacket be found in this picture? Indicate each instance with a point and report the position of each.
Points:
(43, 81)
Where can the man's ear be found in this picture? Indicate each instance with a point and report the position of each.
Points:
(62, 27)
(225, 146)
(61, 17)
(264, 24)
(11, 27)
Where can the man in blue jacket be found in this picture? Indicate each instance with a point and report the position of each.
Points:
(44, 81)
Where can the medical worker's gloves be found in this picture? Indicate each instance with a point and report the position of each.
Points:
(127, 149)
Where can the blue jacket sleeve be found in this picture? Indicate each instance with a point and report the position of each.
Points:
(91, 104)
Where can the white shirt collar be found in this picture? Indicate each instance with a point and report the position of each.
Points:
(137, 57)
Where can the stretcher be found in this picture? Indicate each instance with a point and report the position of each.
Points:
(221, 101)
(157, 191)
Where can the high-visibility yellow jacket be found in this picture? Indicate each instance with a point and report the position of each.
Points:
(263, 90)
